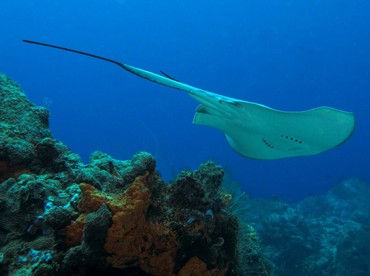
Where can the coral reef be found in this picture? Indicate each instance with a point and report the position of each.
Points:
(321, 235)
(59, 216)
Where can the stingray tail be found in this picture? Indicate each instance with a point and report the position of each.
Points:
(166, 81)
(71, 50)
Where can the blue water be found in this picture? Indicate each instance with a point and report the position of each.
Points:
(290, 55)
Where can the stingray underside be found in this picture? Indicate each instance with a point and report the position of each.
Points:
(259, 132)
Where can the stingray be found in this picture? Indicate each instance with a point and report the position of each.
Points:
(254, 130)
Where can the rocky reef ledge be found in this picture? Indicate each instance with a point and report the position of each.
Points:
(59, 216)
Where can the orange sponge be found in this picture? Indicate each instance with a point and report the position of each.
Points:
(75, 231)
(131, 240)
(196, 267)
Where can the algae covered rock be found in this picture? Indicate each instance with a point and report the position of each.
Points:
(22, 126)
(110, 174)
(26, 144)
(20, 119)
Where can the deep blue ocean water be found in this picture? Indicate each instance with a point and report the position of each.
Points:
(289, 55)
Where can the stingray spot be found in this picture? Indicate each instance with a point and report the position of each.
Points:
(267, 143)
(291, 138)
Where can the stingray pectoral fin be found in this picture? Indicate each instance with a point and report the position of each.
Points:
(260, 132)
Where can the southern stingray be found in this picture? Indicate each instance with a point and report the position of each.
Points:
(255, 130)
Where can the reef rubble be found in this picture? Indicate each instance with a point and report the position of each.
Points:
(59, 216)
